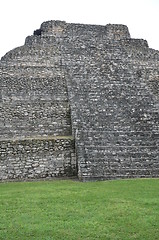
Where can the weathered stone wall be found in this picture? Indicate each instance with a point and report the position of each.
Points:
(113, 85)
(93, 82)
(33, 102)
(34, 109)
(37, 158)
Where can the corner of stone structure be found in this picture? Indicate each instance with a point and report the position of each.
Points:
(117, 31)
(52, 27)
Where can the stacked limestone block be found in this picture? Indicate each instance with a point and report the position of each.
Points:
(35, 112)
(90, 83)
(113, 84)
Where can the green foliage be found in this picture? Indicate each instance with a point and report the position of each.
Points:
(69, 210)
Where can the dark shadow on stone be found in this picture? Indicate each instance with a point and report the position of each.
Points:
(37, 32)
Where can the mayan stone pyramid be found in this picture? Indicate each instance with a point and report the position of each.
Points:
(79, 100)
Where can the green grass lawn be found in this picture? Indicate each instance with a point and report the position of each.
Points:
(125, 210)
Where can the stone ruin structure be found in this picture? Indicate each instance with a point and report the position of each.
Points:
(79, 100)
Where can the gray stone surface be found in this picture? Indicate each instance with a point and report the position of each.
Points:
(93, 82)
(33, 158)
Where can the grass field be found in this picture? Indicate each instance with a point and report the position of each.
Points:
(125, 210)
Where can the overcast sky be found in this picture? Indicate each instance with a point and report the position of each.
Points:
(19, 18)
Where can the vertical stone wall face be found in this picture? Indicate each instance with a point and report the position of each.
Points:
(37, 158)
(35, 102)
(35, 122)
(88, 82)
